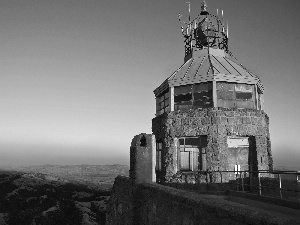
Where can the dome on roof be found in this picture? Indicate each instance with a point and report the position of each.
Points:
(206, 30)
(210, 32)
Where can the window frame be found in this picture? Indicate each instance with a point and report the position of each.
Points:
(234, 100)
(201, 153)
(158, 165)
(195, 90)
(163, 103)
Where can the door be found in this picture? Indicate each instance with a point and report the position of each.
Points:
(238, 154)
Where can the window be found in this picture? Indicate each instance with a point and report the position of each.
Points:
(192, 153)
(231, 95)
(158, 156)
(163, 103)
(193, 96)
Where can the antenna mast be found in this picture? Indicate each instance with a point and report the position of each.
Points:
(189, 11)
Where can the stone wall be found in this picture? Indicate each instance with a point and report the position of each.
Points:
(217, 124)
(142, 158)
(154, 204)
(120, 209)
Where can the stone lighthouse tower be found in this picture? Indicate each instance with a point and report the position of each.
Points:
(209, 112)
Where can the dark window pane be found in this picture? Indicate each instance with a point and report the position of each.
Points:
(243, 95)
(183, 89)
(184, 103)
(200, 87)
(225, 86)
(243, 88)
(158, 145)
(192, 141)
(245, 104)
(161, 105)
(182, 107)
(181, 141)
(226, 103)
(199, 103)
(225, 94)
(203, 141)
(209, 94)
(183, 98)
(198, 95)
(161, 100)
(208, 104)
(203, 95)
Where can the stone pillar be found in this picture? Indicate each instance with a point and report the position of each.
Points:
(143, 158)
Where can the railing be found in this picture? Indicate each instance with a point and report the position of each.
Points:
(282, 184)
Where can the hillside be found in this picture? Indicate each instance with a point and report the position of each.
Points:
(56, 194)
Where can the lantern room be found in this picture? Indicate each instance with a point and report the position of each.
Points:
(210, 76)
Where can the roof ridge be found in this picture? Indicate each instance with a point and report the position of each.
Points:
(204, 57)
(189, 67)
(211, 66)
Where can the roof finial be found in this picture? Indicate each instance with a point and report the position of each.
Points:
(203, 6)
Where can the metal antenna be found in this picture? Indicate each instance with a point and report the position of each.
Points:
(217, 12)
(223, 28)
(227, 30)
(189, 11)
(222, 17)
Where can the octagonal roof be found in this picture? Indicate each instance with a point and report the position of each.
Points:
(210, 65)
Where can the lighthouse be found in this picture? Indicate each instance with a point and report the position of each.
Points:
(209, 112)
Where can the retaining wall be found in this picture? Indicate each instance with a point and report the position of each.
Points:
(155, 204)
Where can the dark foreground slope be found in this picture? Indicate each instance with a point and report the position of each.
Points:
(30, 199)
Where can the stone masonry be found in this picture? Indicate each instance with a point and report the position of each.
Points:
(217, 124)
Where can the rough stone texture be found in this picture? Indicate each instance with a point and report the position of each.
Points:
(217, 124)
(154, 204)
(120, 207)
(142, 158)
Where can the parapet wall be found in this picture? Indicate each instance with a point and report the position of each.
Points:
(155, 204)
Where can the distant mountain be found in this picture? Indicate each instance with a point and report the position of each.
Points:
(39, 198)
(94, 176)
(287, 168)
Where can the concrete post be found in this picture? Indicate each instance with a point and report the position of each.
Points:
(143, 158)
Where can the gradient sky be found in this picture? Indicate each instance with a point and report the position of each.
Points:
(77, 76)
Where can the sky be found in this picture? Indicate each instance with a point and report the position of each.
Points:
(77, 77)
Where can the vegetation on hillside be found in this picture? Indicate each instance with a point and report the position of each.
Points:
(27, 199)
